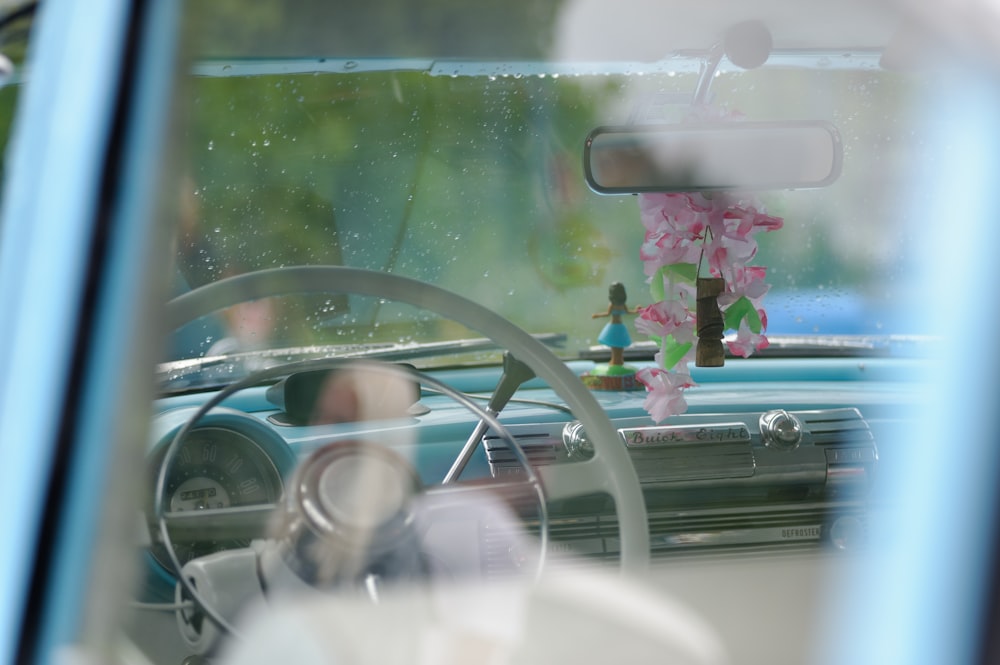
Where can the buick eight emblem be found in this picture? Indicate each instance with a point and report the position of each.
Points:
(658, 436)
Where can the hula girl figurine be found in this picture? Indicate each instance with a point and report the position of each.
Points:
(615, 375)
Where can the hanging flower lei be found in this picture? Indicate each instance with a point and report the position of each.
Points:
(682, 232)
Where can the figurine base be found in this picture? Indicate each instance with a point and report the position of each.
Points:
(611, 378)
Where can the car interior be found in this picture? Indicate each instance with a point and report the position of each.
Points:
(532, 332)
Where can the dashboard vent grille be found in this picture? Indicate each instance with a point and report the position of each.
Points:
(759, 529)
(836, 426)
(539, 449)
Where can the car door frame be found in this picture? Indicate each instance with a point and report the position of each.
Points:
(79, 288)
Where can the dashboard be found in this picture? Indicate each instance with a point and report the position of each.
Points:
(776, 466)
(776, 458)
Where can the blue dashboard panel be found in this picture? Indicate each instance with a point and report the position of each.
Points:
(879, 388)
(794, 370)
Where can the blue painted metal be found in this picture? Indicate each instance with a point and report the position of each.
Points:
(92, 547)
(58, 166)
(60, 138)
(924, 595)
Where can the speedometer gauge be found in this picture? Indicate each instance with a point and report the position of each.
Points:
(234, 463)
(219, 468)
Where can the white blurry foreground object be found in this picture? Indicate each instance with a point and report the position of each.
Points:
(584, 616)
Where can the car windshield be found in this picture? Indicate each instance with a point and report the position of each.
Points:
(459, 161)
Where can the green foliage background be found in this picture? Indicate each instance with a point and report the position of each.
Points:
(476, 182)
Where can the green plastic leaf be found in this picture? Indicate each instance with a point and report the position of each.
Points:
(687, 272)
(740, 310)
(656, 286)
(673, 351)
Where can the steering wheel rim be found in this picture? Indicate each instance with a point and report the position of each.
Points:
(210, 611)
(610, 469)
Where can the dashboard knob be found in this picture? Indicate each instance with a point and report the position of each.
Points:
(780, 430)
(575, 439)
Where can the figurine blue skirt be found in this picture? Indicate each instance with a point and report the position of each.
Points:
(615, 335)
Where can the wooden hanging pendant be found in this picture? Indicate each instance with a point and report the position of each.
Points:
(709, 351)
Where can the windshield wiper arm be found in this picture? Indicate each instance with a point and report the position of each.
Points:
(219, 370)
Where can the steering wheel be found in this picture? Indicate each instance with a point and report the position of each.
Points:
(609, 470)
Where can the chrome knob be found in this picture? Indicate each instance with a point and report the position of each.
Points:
(780, 430)
(575, 439)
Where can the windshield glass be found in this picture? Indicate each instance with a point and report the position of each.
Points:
(433, 158)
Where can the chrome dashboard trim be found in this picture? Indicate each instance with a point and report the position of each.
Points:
(684, 434)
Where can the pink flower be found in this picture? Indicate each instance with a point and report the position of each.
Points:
(663, 318)
(664, 396)
(746, 341)
(745, 281)
(764, 222)
(685, 211)
(726, 252)
(675, 228)
(731, 244)
(661, 248)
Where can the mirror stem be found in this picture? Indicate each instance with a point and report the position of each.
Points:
(707, 74)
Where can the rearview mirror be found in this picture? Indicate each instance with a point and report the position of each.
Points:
(712, 156)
